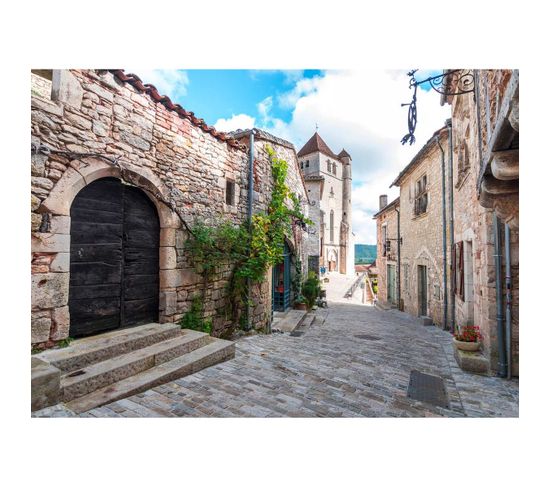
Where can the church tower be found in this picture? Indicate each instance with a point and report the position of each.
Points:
(347, 256)
(328, 182)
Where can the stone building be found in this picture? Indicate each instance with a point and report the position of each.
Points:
(478, 197)
(118, 173)
(485, 143)
(328, 182)
(386, 252)
(422, 257)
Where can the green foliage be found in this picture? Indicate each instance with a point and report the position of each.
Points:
(311, 289)
(193, 318)
(65, 342)
(251, 247)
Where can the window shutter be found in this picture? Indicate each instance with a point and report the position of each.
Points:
(453, 268)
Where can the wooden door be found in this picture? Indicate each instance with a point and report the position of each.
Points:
(422, 290)
(114, 267)
(391, 284)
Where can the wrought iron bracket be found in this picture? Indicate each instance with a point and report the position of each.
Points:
(449, 83)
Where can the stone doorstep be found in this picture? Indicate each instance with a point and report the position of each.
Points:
(115, 369)
(473, 362)
(45, 381)
(216, 351)
(90, 350)
(291, 320)
(425, 320)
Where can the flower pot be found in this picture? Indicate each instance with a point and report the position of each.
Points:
(300, 306)
(466, 346)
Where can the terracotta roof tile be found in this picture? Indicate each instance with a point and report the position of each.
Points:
(151, 90)
(316, 144)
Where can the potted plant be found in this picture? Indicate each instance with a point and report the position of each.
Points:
(300, 303)
(311, 289)
(468, 338)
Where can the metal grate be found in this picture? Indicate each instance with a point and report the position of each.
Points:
(367, 337)
(297, 333)
(428, 388)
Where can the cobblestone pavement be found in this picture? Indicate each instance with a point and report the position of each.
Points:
(337, 287)
(328, 372)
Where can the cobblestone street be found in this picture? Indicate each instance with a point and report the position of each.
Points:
(328, 372)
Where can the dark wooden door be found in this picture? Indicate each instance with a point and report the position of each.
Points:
(114, 258)
(422, 290)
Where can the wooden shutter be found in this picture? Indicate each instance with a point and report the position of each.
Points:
(453, 268)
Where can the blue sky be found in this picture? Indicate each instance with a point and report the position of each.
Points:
(356, 110)
(215, 94)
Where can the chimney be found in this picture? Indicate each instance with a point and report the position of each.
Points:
(383, 201)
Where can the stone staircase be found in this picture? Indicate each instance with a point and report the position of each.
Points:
(98, 370)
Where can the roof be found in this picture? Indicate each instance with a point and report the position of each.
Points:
(136, 82)
(261, 134)
(419, 157)
(316, 144)
(389, 206)
(344, 154)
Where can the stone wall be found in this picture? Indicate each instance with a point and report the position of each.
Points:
(180, 165)
(474, 223)
(423, 234)
(388, 219)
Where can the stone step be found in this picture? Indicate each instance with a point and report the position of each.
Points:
(216, 351)
(98, 375)
(91, 350)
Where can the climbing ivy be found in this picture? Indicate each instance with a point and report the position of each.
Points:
(251, 247)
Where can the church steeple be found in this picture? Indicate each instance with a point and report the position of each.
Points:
(316, 144)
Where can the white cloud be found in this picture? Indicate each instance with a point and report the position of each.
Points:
(240, 121)
(361, 112)
(171, 82)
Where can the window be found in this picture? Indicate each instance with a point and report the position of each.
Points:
(421, 196)
(334, 168)
(332, 226)
(301, 164)
(331, 191)
(384, 239)
(230, 192)
(41, 83)
(307, 163)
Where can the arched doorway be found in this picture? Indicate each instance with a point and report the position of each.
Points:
(114, 258)
(332, 260)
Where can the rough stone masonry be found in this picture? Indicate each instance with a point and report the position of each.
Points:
(130, 132)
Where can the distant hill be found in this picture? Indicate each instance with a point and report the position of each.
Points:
(365, 253)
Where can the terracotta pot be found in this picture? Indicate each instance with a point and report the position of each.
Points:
(466, 346)
(300, 306)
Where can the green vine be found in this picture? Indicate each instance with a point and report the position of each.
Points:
(248, 249)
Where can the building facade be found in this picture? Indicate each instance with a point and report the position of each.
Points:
(386, 252)
(119, 173)
(422, 270)
(459, 217)
(485, 143)
(328, 181)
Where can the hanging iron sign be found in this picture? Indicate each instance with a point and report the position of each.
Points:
(449, 83)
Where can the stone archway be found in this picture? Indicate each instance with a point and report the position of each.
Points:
(50, 291)
(332, 260)
(114, 258)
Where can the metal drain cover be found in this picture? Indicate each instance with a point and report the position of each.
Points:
(367, 337)
(428, 388)
(296, 333)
